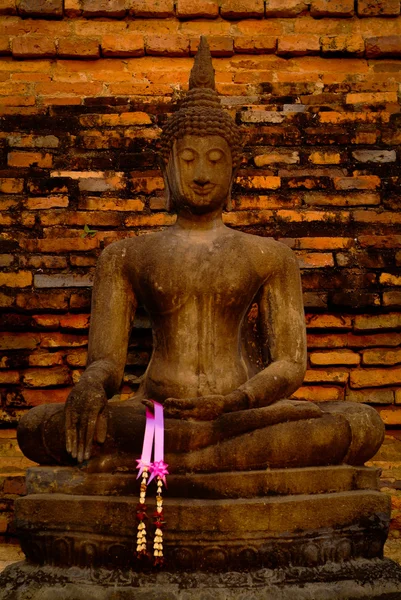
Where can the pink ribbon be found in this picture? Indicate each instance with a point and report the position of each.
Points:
(154, 435)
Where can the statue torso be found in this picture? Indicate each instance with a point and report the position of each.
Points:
(197, 289)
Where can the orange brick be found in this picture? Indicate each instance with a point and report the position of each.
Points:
(82, 261)
(323, 243)
(259, 182)
(371, 97)
(166, 45)
(339, 377)
(11, 185)
(119, 204)
(257, 44)
(375, 8)
(289, 8)
(47, 202)
(72, 8)
(37, 397)
(46, 377)
(60, 245)
(298, 45)
(332, 321)
(9, 377)
(77, 358)
(45, 359)
(33, 46)
(380, 241)
(362, 378)
(390, 279)
(71, 321)
(319, 393)
(152, 8)
(104, 8)
(335, 358)
(78, 47)
(392, 299)
(241, 9)
(41, 8)
(17, 101)
(62, 340)
(325, 158)
(123, 45)
(5, 47)
(146, 185)
(55, 88)
(207, 9)
(30, 159)
(158, 219)
(332, 8)
(16, 279)
(362, 182)
(116, 120)
(315, 260)
(391, 416)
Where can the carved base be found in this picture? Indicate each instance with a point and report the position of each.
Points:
(356, 580)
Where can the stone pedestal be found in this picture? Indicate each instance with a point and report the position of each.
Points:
(291, 533)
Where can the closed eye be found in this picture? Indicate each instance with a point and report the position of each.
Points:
(187, 155)
(215, 155)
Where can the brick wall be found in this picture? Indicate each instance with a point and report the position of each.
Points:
(86, 85)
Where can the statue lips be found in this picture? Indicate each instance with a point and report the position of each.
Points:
(203, 190)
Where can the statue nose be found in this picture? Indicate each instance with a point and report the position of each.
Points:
(201, 181)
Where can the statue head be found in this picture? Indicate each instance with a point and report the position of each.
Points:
(200, 144)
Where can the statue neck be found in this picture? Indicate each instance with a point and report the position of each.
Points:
(211, 221)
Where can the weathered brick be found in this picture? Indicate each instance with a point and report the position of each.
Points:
(157, 9)
(72, 8)
(41, 8)
(371, 322)
(371, 396)
(60, 281)
(353, 45)
(9, 377)
(158, 219)
(11, 185)
(119, 204)
(241, 9)
(380, 241)
(259, 182)
(72, 321)
(375, 156)
(30, 159)
(298, 45)
(123, 45)
(104, 8)
(78, 47)
(332, 8)
(45, 359)
(391, 416)
(46, 377)
(386, 45)
(315, 260)
(6, 260)
(33, 46)
(290, 8)
(363, 378)
(338, 376)
(77, 358)
(5, 46)
(375, 8)
(62, 340)
(34, 397)
(207, 9)
(167, 45)
(349, 340)
(351, 199)
(16, 279)
(333, 321)
(335, 358)
(392, 299)
(380, 356)
(257, 44)
(262, 116)
(82, 261)
(325, 157)
(46, 203)
(361, 182)
(390, 279)
(8, 7)
(33, 141)
(19, 341)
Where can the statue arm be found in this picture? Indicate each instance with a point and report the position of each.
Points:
(113, 309)
(282, 322)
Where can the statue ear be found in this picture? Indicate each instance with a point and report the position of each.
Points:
(229, 204)
(167, 190)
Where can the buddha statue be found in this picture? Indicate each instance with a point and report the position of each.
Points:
(267, 494)
(197, 280)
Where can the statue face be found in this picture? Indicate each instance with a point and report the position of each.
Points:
(203, 173)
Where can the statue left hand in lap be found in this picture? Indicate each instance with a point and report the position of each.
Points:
(197, 280)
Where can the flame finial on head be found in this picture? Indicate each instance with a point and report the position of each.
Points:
(202, 73)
